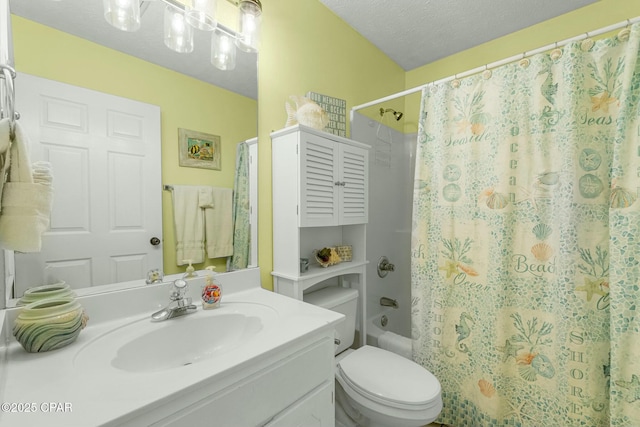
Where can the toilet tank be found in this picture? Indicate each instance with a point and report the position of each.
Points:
(341, 300)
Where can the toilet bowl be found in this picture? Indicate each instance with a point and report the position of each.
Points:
(375, 387)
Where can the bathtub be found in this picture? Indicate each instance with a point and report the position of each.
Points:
(389, 336)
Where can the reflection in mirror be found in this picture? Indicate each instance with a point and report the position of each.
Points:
(84, 52)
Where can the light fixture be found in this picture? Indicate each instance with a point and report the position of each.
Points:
(181, 16)
(249, 23)
(201, 14)
(122, 14)
(223, 50)
(178, 34)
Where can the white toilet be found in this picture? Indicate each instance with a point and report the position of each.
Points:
(375, 387)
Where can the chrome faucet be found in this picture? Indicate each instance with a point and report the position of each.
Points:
(384, 266)
(179, 305)
(388, 302)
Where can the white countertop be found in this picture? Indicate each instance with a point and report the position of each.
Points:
(58, 392)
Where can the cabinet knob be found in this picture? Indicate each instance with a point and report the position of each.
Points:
(341, 183)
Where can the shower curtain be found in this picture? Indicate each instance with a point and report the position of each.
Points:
(526, 239)
(240, 209)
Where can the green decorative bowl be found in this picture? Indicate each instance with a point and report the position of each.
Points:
(55, 290)
(49, 324)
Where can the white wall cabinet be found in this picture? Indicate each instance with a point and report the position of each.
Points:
(333, 185)
(320, 199)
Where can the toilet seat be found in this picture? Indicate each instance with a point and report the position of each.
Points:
(389, 379)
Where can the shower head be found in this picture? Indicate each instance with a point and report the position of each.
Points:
(397, 114)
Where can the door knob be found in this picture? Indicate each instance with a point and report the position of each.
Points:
(154, 241)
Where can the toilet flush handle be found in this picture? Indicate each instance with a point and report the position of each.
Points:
(336, 341)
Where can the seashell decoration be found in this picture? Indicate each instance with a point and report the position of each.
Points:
(623, 35)
(542, 251)
(468, 270)
(621, 198)
(542, 231)
(497, 200)
(549, 178)
(452, 192)
(527, 372)
(306, 112)
(524, 62)
(590, 186)
(455, 83)
(486, 388)
(49, 324)
(543, 366)
(486, 74)
(589, 159)
(556, 54)
(587, 44)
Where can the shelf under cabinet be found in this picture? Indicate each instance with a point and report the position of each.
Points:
(295, 285)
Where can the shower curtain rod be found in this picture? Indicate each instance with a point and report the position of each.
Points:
(499, 63)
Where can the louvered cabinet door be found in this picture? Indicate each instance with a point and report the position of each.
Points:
(319, 185)
(353, 193)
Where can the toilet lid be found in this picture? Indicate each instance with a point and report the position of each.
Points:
(389, 378)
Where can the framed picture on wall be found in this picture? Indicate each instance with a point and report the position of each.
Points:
(199, 150)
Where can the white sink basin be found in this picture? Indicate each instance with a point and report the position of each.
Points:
(145, 346)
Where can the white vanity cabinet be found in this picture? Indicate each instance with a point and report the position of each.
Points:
(320, 199)
(280, 374)
(279, 391)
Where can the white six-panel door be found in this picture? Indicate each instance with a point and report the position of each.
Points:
(105, 155)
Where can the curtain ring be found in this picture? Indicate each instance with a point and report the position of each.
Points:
(455, 83)
(624, 34)
(486, 74)
(587, 43)
(556, 53)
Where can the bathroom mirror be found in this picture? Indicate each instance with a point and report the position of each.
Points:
(84, 19)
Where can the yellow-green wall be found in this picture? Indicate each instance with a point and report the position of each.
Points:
(184, 102)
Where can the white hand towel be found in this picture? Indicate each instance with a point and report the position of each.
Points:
(219, 224)
(42, 173)
(189, 224)
(205, 197)
(26, 209)
(5, 143)
(26, 206)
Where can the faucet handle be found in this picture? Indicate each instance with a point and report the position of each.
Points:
(154, 276)
(179, 288)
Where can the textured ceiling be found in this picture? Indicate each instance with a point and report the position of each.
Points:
(416, 32)
(411, 32)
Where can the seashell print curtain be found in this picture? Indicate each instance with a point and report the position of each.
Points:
(240, 210)
(526, 240)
